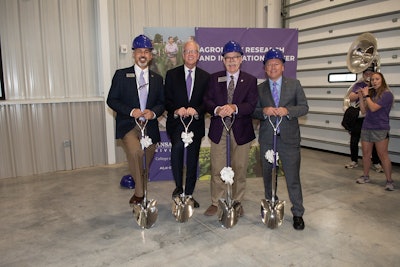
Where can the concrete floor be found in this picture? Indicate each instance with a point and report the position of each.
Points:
(82, 218)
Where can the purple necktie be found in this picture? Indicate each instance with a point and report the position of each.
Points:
(275, 94)
(189, 84)
(142, 91)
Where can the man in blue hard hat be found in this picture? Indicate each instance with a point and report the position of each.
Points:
(137, 93)
(230, 92)
(280, 96)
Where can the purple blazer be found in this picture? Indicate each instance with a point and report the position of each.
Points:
(245, 97)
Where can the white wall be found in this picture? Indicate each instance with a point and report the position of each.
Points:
(326, 31)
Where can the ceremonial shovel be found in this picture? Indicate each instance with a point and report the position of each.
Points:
(145, 212)
(272, 211)
(183, 206)
(228, 212)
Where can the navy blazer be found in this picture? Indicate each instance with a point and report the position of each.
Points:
(123, 97)
(176, 97)
(293, 98)
(245, 97)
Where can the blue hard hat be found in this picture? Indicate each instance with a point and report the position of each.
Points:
(127, 181)
(142, 41)
(274, 53)
(232, 46)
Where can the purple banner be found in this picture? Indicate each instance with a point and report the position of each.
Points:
(255, 43)
(160, 168)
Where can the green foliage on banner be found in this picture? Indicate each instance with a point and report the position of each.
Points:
(253, 169)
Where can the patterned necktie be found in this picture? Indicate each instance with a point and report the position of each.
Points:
(142, 91)
(275, 94)
(231, 89)
(189, 84)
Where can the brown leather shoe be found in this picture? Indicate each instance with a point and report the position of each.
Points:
(135, 200)
(211, 211)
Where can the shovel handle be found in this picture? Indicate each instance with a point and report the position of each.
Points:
(145, 176)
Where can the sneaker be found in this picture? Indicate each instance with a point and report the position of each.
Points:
(363, 179)
(377, 167)
(389, 186)
(351, 165)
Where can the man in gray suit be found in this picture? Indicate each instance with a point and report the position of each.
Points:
(290, 105)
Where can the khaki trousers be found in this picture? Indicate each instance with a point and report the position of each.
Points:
(239, 162)
(134, 155)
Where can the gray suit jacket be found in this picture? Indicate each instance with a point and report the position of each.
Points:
(293, 98)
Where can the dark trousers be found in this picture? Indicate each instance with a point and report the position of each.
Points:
(355, 136)
(178, 160)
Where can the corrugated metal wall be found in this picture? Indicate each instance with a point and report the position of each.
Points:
(54, 116)
(326, 31)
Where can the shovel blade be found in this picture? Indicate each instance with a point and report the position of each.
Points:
(182, 208)
(228, 213)
(272, 213)
(146, 215)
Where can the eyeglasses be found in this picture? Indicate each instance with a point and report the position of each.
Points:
(232, 58)
(190, 52)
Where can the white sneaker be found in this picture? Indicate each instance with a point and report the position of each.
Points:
(351, 165)
(363, 179)
(389, 186)
(377, 167)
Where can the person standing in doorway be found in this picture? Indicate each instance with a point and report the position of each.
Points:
(137, 93)
(280, 96)
(231, 92)
(185, 86)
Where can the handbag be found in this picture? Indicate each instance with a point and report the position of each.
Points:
(349, 117)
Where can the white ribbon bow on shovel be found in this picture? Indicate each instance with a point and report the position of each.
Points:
(145, 140)
(227, 175)
(187, 137)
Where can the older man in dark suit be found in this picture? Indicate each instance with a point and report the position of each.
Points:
(230, 92)
(184, 91)
(137, 93)
(284, 97)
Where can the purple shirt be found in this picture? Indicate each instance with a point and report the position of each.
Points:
(379, 120)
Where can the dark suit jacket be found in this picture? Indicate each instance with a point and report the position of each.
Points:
(123, 97)
(245, 97)
(293, 98)
(176, 97)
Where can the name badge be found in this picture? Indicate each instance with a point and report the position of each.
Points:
(222, 79)
(130, 75)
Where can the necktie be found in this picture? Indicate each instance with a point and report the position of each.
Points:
(231, 89)
(189, 83)
(142, 91)
(275, 94)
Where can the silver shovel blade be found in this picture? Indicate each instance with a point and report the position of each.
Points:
(228, 213)
(146, 215)
(272, 213)
(183, 208)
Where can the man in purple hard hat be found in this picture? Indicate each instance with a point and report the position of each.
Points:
(280, 96)
(137, 93)
(230, 92)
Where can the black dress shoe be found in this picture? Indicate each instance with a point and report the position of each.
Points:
(177, 192)
(195, 203)
(298, 223)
